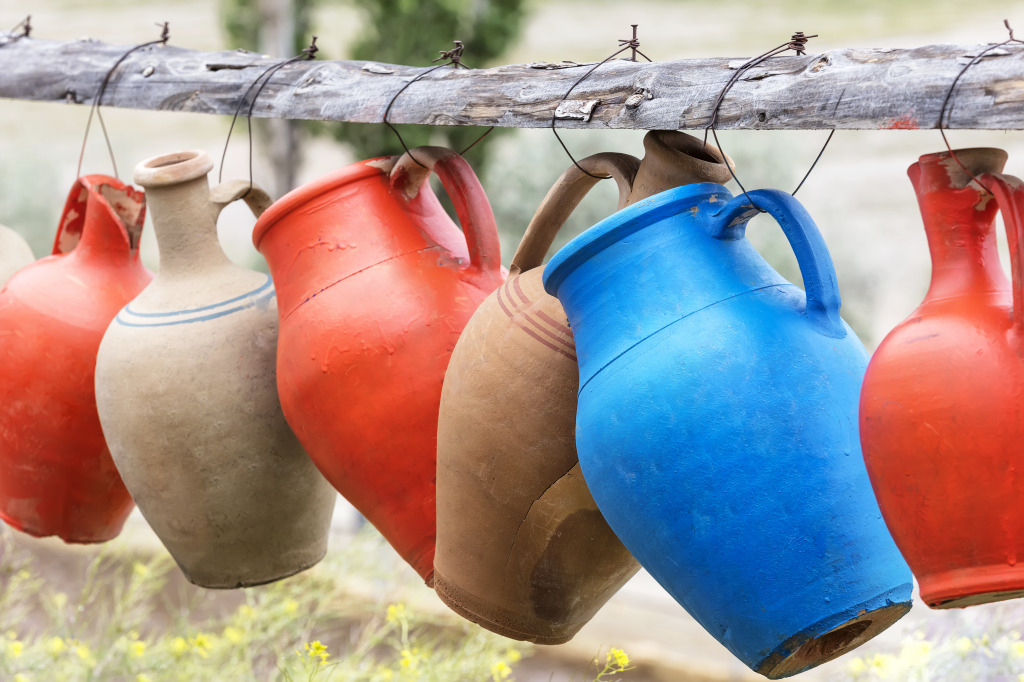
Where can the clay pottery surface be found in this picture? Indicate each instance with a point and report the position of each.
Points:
(14, 253)
(522, 548)
(940, 407)
(56, 474)
(375, 284)
(717, 425)
(187, 395)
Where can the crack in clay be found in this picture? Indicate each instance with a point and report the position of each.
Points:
(515, 537)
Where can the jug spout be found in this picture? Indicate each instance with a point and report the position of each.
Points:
(672, 159)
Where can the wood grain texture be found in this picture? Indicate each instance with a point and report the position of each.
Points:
(846, 89)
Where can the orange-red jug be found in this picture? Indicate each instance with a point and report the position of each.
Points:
(940, 409)
(56, 473)
(374, 285)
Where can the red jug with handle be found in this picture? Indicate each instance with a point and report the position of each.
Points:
(940, 408)
(374, 285)
(56, 473)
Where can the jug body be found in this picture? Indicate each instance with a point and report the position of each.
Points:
(939, 422)
(56, 473)
(717, 425)
(375, 284)
(14, 253)
(187, 395)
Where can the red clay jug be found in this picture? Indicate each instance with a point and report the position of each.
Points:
(940, 408)
(374, 285)
(56, 473)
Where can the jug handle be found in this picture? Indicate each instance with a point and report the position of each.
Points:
(819, 274)
(255, 197)
(463, 187)
(562, 199)
(1009, 193)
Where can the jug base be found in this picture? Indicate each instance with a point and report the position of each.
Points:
(222, 582)
(71, 539)
(499, 620)
(965, 587)
(813, 650)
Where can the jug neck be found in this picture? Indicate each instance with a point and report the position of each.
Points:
(102, 220)
(959, 221)
(184, 216)
(672, 159)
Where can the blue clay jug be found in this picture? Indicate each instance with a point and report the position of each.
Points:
(717, 425)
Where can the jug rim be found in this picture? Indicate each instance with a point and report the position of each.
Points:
(623, 223)
(311, 190)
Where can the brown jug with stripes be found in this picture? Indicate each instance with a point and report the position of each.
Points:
(522, 549)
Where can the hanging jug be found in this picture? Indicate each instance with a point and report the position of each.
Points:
(717, 425)
(374, 285)
(14, 253)
(186, 391)
(939, 411)
(56, 474)
(521, 547)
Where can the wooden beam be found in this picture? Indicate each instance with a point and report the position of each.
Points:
(846, 89)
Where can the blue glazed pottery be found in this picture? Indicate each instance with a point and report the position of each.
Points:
(717, 425)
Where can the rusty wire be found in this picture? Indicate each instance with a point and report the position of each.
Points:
(625, 44)
(798, 43)
(452, 57)
(25, 26)
(944, 113)
(165, 35)
(306, 54)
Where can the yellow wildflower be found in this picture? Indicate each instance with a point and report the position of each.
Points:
(55, 646)
(83, 653)
(500, 671)
(137, 649)
(857, 666)
(179, 647)
(1017, 649)
(201, 644)
(233, 634)
(396, 613)
(513, 655)
(881, 664)
(410, 658)
(619, 658)
(15, 649)
(963, 645)
(916, 653)
(317, 650)
(291, 606)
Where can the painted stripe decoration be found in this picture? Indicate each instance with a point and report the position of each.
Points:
(538, 325)
(258, 296)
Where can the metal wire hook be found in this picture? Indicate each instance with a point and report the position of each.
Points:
(165, 35)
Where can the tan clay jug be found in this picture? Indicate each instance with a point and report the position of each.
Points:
(187, 396)
(14, 253)
(522, 549)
